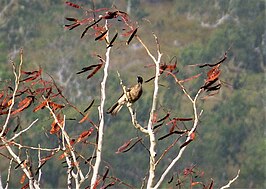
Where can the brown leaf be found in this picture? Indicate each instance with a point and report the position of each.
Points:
(92, 102)
(106, 173)
(185, 143)
(131, 36)
(102, 36)
(112, 41)
(32, 75)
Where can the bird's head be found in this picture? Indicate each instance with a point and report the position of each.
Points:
(139, 79)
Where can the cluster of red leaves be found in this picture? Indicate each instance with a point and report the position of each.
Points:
(168, 68)
(95, 68)
(32, 88)
(212, 79)
(212, 82)
(98, 27)
(192, 175)
(102, 180)
(174, 129)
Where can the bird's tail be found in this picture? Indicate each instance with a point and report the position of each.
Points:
(114, 109)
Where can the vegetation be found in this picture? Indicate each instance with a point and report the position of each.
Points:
(230, 135)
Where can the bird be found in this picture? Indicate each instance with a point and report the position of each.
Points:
(132, 95)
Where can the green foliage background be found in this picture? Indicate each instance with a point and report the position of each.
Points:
(232, 131)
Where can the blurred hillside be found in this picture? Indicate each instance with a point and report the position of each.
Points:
(232, 131)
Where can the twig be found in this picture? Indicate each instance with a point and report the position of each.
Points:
(22, 131)
(231, 181)
(35, 148)
(39, 165)
(8, 173)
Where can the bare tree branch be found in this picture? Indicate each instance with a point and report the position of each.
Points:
(101, 114)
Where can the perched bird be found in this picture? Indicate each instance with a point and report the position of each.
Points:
(132, 95)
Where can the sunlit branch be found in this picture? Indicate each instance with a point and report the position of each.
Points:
(153, 109)
(101, 113)
(22, 131)
(8, 173)
(231, 181)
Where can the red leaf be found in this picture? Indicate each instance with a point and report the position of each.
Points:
(73, 5)
(97, 182)
(85, 134)
(40, 106)
(22, 179)
(47, 157)
(190, 78)
(55, 125)
(23, 105)
(32, 75)
(1, 94)
(192, 135)
(124, 146)
(85, 69)
(84, 118)
(195, 183)
(95, 71)
(183, 119)
(88, 27)
(56, 106)
(25, 186)
(213, 74)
